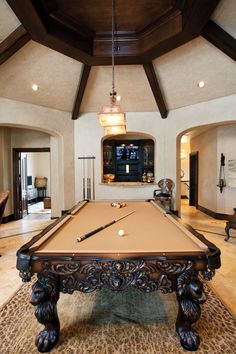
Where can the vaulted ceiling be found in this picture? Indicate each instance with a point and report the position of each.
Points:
(163, 49)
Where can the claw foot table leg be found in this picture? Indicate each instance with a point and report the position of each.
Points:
(45, 295)
(190, 295)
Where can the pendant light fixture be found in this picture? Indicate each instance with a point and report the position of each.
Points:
(111, 116)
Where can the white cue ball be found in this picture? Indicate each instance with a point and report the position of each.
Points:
(121, 232)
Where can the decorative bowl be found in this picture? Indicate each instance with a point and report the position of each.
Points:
(109, 177)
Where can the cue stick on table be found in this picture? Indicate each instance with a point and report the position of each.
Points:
(100, 228)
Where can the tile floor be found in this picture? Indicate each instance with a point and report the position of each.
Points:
(16, 233)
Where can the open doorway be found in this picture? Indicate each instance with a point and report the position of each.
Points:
(31, 181)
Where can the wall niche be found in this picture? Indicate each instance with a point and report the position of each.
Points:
(128, 158)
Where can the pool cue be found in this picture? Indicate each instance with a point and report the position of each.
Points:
(93, 173)
(83, 180)
(81, 238)
(88, 179)
(87, 185)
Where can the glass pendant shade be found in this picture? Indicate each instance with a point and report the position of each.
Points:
(111, 116)
(115, 130)
(112, 119)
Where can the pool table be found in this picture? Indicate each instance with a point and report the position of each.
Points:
(157, 252)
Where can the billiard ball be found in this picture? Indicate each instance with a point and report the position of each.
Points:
(121, 232)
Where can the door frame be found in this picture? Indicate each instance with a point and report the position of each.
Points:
(17, 200)
(193, 179)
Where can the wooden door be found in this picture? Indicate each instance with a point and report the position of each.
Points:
(17, 184)
(193, 182)
(24, 196)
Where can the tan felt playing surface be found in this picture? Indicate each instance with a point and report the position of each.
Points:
(146, 230)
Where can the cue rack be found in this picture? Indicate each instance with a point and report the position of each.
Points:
(88, 178)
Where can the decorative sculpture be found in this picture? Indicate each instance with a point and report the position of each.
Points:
(221, 184)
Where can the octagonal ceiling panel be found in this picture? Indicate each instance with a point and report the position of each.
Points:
(56, 75)
(95, 15)
(131, 84)
(8, 20)
(225, 16)
(145, 29)
(180, 70)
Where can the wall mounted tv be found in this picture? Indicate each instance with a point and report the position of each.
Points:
(127, 152)
(29, 180)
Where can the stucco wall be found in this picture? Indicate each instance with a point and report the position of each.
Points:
(69, 139)
(206, 146)
(226, 144)
(210, 145)
(38, 165)
(167, 133)
(5, 165)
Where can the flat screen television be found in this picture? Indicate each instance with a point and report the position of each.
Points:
(127, 152)
(29, 180)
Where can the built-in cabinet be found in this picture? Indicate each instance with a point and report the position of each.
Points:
(128, 161)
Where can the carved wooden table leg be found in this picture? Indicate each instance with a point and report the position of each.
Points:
(45, 294)
(190, 295)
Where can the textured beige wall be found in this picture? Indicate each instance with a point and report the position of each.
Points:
(5, 165)
(87, 135)
(38, 165)
(206, 145)
(226, 144)
(166, 132)
(211, 144)
(28, 138)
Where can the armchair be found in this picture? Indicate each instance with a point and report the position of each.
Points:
(164, 193)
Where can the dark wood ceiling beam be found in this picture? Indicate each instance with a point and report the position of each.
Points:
(28, 16)
(195, 14)
(12, 43)
(151, 76)
(166, 46)
(221, 39)
(80, 92)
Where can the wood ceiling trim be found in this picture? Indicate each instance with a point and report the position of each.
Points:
(168, 45)
(49, 26)
(80, 92)
(220, 38)
(13, 43)
(152, 78)
(136, 44)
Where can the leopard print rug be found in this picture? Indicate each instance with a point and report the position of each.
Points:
(105, 322)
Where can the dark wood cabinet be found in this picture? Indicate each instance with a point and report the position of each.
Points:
(129, 160)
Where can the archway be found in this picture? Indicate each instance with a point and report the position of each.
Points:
(209, 141)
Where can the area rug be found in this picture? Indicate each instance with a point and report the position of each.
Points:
(105, 322)
(38, 208)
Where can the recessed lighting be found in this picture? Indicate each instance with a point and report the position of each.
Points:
(118, 98)
(35, 87)
(201, 84)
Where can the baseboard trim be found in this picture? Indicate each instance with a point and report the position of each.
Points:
(8, 218)
(175, 212)
(213, 214)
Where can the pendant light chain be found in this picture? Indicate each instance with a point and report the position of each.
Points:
(111, 117)
(113, 93)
